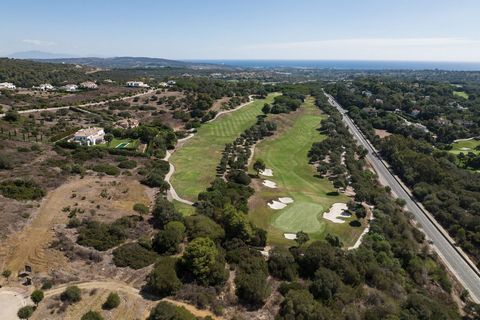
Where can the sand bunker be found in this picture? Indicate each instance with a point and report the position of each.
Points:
(10, 302)
(285, 200)
(290, 236)
(276, 205)
(267, 173)
(465, 149)
(337, 212)
(269, 184)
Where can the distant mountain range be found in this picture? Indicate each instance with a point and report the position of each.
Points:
(114, 62)
(35, 54)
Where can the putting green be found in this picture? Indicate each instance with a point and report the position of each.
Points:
(465, 146)
(286, 153)
(196, 161)
(300, 216)
(461, 94)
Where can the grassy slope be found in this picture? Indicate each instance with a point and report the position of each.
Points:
(471, 144)
(461, 94)
(286, 154)
(196, 161)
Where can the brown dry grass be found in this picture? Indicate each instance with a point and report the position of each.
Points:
(217, 105)
(31, 245)
(132, 306)
(382, 133)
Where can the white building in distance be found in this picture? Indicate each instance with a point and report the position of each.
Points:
(88, 85)
(45, 87)
(137, 84)
(70, 87)
(7, 85)
(89, 136)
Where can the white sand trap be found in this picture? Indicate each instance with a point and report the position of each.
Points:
(465, 149)
(290, 236)
(267, 172)
(285, 200)
(10, 302)
(276, 205)
(269, 184)
(336, 213)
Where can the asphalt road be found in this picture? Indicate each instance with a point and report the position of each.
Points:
(453, 257)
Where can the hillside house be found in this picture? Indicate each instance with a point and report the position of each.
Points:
(89, 85)
(366, 93)
(46, 87)
(7, 85)
(89, 136)
(70, 87)
(136, 84)
(415, 113)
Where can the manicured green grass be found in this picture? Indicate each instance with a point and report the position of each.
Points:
(286, 154)
(461, 94)
(196, 161)
(465, 146)
(132, 144)
(183, 208)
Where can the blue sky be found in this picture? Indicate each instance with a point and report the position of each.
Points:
(437, 30)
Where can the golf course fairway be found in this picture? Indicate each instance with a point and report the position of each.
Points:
(196, 161)
(286, 153)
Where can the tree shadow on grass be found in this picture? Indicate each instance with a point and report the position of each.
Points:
(355, 224)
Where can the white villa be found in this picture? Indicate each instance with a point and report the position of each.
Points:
(46, 87)
(88, 85)
(89, 136)
(137, 84)
(70, 87)
(7, 85)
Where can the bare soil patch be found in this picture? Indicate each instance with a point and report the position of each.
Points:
(104, 198)
(382, 133)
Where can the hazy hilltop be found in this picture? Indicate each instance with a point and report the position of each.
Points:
(131, 63)
(36, 54)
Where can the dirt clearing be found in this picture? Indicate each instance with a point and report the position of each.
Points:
(104, 198)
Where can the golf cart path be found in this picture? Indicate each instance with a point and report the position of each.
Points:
(172, 193)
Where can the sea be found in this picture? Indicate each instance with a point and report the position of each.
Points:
(348, 64)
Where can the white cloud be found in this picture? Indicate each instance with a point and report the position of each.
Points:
(39, 42)
(421, 49)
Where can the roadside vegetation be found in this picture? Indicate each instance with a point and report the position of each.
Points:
(431, 166)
